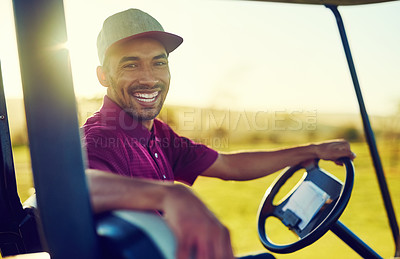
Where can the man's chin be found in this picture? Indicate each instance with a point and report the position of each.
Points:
(144, 116)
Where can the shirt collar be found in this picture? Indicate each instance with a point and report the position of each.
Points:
(114, 116)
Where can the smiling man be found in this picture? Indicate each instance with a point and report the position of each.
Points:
(137, 78)
(144, 156)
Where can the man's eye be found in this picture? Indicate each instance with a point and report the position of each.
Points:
(161, 63)
(130, 66)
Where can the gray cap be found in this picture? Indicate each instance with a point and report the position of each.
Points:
(130, 24)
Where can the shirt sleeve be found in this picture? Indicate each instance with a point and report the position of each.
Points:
(193, 162)
(188, 158)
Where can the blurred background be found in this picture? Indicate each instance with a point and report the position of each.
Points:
(252, 75)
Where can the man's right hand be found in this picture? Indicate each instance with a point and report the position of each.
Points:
(197, 230)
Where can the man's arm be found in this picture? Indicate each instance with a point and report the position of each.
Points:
(253, 165)
(194, 226)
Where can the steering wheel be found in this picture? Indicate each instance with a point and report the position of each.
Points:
(326, 198)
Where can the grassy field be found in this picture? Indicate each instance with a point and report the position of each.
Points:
(236, 204)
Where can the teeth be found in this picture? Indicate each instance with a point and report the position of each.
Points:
(146, 100)
(146, 95)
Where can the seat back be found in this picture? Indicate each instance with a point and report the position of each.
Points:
(18, 230)
(11, 211)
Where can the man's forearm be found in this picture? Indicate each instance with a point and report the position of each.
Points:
(252, 165)
(194, 225)
(109, 191)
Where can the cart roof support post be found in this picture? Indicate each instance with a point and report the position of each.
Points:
(53, 130)
(369, 134)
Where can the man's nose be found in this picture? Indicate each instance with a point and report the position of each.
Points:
(148, 77)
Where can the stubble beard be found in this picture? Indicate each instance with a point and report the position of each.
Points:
(146, 114)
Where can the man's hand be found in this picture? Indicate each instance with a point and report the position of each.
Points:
(197, 230)
(333, 150)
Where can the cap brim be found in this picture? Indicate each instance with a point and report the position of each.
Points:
(168, 40)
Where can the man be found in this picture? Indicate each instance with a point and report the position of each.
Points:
(125, 138)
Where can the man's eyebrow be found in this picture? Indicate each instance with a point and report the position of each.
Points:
(125, 59)
(161, 56)
(133, 58)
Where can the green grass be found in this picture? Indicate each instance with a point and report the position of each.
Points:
(236, 204)
(22, 164)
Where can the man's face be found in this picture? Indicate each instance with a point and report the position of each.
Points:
(138, 77)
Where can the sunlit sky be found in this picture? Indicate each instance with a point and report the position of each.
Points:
(245, 55)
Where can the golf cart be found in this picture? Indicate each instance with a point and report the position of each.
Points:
(67, 227)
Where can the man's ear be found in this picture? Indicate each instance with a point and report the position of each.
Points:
(102, 77)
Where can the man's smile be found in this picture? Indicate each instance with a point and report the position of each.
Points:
(147, 98)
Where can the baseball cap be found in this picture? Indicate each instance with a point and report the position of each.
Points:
(131, 24)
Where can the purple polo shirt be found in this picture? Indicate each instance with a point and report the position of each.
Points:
(117, 143)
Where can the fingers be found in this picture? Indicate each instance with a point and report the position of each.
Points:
(226, 243)
(333, 150)
(212, 244)
(221, 246)
(184, 248)
(345, 150)
(196, 228)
